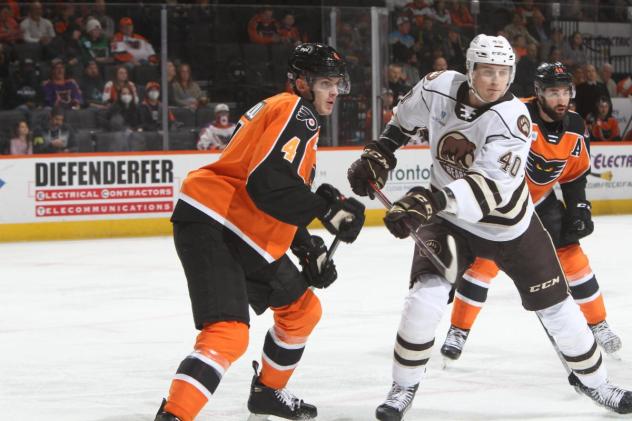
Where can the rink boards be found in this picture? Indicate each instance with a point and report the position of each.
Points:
(131, 194)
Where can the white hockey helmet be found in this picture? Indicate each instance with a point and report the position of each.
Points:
(490, 50)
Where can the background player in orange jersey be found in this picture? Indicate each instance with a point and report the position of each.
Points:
(559, 154)
(233, 224)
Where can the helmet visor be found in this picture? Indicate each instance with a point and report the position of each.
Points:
(325, 82)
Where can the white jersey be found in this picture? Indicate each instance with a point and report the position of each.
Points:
(215, 137)
(479, 154)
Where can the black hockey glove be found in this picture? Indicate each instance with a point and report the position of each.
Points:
(414, 209)
(373, 166)
(578, 220)
(344, 217)
(312, 256)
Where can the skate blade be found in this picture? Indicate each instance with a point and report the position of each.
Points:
(447, 363)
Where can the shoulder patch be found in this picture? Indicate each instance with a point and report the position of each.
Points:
(306, 115)
(523, 125)
(434, 75)
(577, 150)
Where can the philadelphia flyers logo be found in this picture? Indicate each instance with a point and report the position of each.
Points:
(306, 115)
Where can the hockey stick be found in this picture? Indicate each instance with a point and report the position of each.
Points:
(332, 250)
(572, 379)
(448, 273)
(606, 175)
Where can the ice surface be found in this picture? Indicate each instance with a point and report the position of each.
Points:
(94, 330)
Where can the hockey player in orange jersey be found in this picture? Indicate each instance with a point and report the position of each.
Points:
(233, 224)
(559, 154)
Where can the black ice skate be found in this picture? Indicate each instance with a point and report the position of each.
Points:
(281, 403)
(398, 401)
(453, 345)
(606, 338)
(607, 395)
(163, 415)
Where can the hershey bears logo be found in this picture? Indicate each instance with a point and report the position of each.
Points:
(455, 154)
(523, 125)
(306, 115)
(542, 171)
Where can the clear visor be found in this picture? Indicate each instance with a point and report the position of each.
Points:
(328, 83)
(565, 91)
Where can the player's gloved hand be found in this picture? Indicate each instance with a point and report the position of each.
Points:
(373, 166)
(312, 256)
(414, 209)
(578, 220)
(344, 217)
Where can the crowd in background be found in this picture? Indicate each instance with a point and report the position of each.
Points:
(86, 76)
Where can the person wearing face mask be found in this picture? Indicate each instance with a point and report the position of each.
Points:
(151, 109)
(123, 118)
(217, 134)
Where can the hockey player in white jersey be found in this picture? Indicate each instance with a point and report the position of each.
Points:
(479, 136)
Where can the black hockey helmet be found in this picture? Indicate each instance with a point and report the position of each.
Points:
(548, 75)
(318, 60)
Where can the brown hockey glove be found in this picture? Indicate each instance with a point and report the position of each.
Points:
(416, 208)
(344, 216)
(372, 167)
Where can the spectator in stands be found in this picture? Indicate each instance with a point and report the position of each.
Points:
(95, 45)
(528, 10)
(417, 10)
(605, 77)
(112, 89)
(288, 32)
(573, 10)
(92, 86)
(59, 91)
(25, 86)
(186, 92)
(556, 40)
(441, 14)
(579, 75)
(396, 82)
(217, 134)
(454, 49)
(15, 9)
(66, 45)
(123, 117)
(65, 20)
(263, 28)
(519, 44)
(151, 109)
(525, 73)
(624, 87)
(589, 92)
(107, 23)
(537, 27)
(22, 142)
(603, 126)
(9, 29)
(440, 64)
(387, 113)
(461, 17)
(554, 55)
(55, 136)
(428, 41)
(573, 51)
(131, 48)
(402, 43)
(37, 29)
(518, 27)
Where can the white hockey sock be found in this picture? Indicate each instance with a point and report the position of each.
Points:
(424, 306)
(567, 325)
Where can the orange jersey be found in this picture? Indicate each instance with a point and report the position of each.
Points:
(605, 130)
(560, 157)
(260, 186)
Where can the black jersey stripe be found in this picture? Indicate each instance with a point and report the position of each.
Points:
(206, 375)
(478, 195)
(515, 197)
(414, 347)
(282, 356)
(491, 185)
(502, 220)
(410, 363)
(582, 357)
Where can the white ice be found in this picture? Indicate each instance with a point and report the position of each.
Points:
(94, 330)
